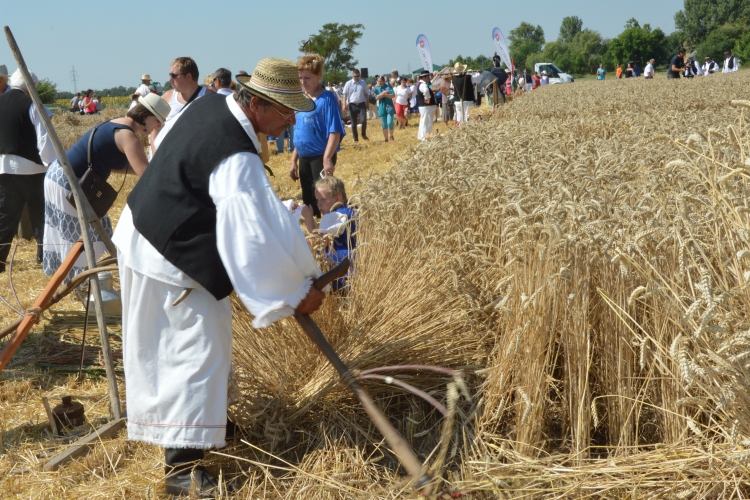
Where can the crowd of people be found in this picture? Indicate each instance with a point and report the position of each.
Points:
(203, 220)
(679, 67)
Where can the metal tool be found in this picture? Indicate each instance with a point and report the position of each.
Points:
(399, 445)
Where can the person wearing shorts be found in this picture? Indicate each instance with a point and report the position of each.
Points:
(403, 95)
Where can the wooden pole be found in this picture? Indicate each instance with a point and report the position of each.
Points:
(399, 445)
(85, 213)
(28, 321)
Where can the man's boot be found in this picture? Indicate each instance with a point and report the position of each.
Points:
(182, 472)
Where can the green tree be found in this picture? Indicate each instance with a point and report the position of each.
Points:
(47, 90)
(701, 17)
(525, 40)
(721, 39)
(335, 42)
(570, 27)
(637, 43)
(742, 48)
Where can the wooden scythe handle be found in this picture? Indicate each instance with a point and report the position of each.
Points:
(30, 319)
(399, 445)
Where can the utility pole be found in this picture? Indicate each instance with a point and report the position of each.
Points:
(74, 79)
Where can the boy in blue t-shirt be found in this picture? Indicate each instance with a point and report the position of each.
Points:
(600, 72)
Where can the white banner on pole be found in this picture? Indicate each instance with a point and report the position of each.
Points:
(423, 47)
(501, 46)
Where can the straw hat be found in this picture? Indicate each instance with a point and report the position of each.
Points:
(459, 68)
(277, 80)
(158, 106)
(3, 70)
(146, 76)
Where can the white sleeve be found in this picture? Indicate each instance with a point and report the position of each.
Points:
(476, 78)
(264, 252)
(43, 142)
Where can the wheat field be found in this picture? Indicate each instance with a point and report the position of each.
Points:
(581, 255)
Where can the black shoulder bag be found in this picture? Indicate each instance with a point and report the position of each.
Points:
(95, 188)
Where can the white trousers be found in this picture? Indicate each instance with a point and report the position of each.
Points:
(462, 110)
(177, 361)
(426, 117)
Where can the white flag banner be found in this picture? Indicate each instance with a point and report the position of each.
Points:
(423, 47)
(501, 46)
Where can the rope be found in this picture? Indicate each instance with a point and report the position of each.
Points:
(34, 312)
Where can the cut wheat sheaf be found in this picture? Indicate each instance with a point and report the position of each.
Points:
(580, 255)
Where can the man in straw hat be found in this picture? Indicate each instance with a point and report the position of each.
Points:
(25, 153)
(3, 79)
(463, 85)
(426, 105)
(205, 219)
(145, 87)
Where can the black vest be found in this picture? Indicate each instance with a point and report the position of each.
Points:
(463, 87)
(17, 133)
(171, 205)
(420, 96)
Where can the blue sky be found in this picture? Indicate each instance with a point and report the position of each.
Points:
(112, 43)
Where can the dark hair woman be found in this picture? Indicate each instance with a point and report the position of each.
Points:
(114, 147)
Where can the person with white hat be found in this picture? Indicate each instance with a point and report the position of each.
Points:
(544, 80)
(426, 104)
(114, 147)
(204, 220)
(4, 79)
(710, 66)
(144, 89)
(463, 85)
(25, 152)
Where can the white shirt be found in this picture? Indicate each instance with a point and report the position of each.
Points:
(143, 90)
(174, 114)
(355, 92)
(649, 72)
(402, 95)
(12, 164)
(425, 89)
(735, 65)
(263, 250)
(413, 92)
(544, 80)
(710, 68)
(224, 91)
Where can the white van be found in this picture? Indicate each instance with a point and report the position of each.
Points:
(554, 73)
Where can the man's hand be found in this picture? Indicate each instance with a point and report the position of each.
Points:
(293, 171)
(312, 301)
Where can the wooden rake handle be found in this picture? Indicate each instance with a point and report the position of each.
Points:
(399, 445)
(30, 320)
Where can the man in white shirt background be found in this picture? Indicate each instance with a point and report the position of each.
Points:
(648, 74)
(3, 79)
(426, 105)
(731, 64)
(25, 153)
(355, 100)
(710, 66)
(144, 88)
(222, 80)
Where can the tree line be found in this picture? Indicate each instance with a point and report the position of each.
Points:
(703, 27)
